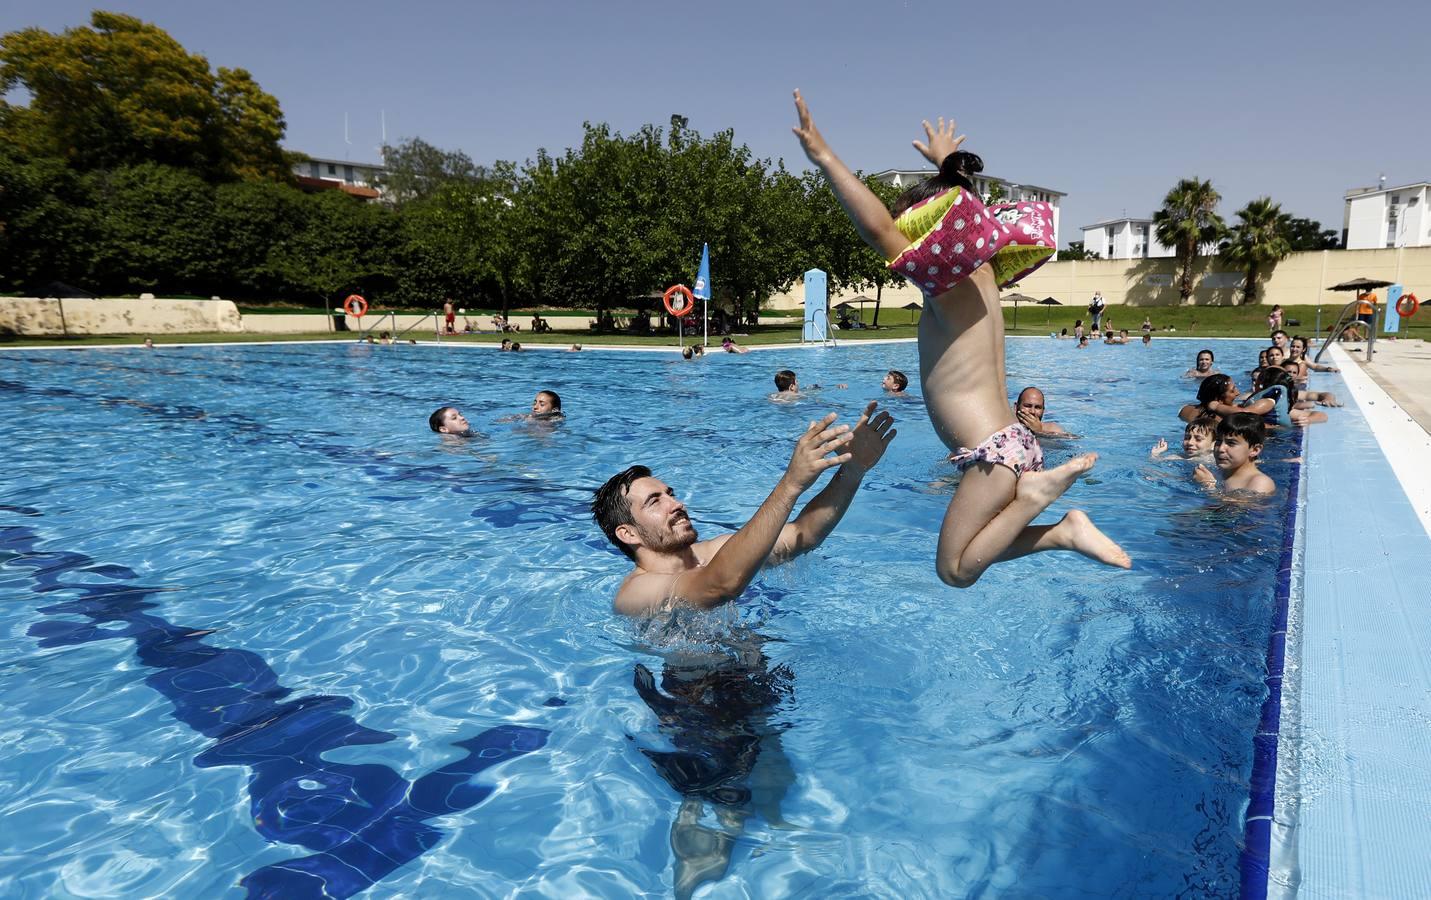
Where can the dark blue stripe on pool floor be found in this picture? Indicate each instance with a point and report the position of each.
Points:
(1256, 854)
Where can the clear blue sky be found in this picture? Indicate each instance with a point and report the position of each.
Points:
(1109, 102)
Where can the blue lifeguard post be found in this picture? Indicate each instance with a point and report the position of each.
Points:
(817, 313)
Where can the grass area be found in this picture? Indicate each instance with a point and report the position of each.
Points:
(1190, 321)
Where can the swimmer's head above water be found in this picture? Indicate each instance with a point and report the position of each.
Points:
(785, 382)
(546, 405)
(895, 381)
(447, 420)
(637, 510)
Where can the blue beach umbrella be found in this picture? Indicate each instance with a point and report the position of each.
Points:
(703, 289)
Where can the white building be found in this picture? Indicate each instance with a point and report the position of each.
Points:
(1011, 191)
(1124, 238)
(1387, 217)
(358, 179)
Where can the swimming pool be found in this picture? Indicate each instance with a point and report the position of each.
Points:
(222, 562)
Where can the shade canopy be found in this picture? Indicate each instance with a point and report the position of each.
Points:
(844, 307)
(1049, 301)
(1361, 284)
(911, 305)
(1018, 298)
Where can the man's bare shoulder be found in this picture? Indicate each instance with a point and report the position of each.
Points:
(642, 593)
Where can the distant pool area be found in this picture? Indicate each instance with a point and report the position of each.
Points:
(253, 587)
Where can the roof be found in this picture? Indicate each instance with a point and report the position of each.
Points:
(1116, 221)
(925, 173)
(343, 162)
(1355, 193)
(327, 184)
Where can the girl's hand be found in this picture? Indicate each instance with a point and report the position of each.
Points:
(810, 138)
(942, 141)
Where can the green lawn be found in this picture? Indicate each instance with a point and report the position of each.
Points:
(1190, 321)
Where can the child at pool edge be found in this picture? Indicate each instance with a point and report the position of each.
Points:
(1236, 447)
(961, 357)
(1197, 440)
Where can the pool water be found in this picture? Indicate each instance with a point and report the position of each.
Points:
(266, 633)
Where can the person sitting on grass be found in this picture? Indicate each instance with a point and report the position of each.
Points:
(1236, 446)
(944, 239)
(1197, 441)
(447, 420)
(1203, 366)
(895, 382)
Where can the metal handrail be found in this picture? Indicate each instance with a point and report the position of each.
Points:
(1345, 321)
(432, 315)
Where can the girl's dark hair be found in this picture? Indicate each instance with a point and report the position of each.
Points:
(957, 170)
(1208, 352)
(1282, 379)
(556, 400)
(1212, 388)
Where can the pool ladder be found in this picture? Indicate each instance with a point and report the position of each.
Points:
(1344, 321)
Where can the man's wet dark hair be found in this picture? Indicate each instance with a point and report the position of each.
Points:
(611, 506)
(957, 170)
(901, 380)
(434, 421)
(1208, 352)
(783, 379)
(1243, 425)
(1212, 388)
(556, 401)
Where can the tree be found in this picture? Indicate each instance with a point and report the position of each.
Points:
(1258, 239)
(47, 229)
(1308, 234)
(155, 228)
(1077, 251)
(417, 170)
(1187, 222)
(124, 92)
(996, 193)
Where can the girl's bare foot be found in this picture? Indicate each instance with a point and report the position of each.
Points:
(1045, 487)
(1078, 533)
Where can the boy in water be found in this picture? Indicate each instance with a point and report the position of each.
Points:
(961, 352)
(1197, 440)
(1236, 447)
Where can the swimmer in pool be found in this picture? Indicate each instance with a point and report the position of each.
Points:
(641, 517)
(1236, 447)
(952, 236)
(895, 382)
(787, 386)
(447, 420)
(1029, 409)
(1202, 367)
(546, 407)
(1197, 441)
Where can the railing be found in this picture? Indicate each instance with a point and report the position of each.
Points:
(1344, 321)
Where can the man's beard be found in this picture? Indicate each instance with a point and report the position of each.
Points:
(666, 540)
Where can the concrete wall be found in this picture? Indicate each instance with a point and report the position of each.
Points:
(1300, 279)
(34, 316)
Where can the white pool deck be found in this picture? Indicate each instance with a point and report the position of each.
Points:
(1353, 780)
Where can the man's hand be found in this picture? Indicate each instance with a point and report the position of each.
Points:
(1203, 476)
(810, 138)
(1030, 421)
(942, 141)
(871, 437)
(810, 457)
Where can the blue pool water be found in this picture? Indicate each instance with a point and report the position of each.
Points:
(265, 632)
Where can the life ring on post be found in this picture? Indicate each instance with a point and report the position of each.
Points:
(355, 305)
(686, 308)
(1408, 304)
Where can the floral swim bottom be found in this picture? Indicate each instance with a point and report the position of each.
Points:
(1014, 447)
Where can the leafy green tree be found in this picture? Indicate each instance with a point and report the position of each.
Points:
(996, 193)
(1077, 251)
(344, 246)
(123, 91)
(1308, 234)
(1187, 222)
(47, 227)
(253, 222)
(417, 170)
(155, 227)
(1258, 239)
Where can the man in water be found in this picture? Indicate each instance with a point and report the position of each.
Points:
(641, 516)
(447, 420)
(1030, 409)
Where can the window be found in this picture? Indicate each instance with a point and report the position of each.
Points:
(332, 169)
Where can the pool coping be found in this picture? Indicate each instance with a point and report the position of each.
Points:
(1295, 838)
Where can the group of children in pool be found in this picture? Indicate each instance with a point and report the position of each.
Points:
(1229, 428)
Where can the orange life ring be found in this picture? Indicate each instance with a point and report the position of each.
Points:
(687, 308)
(355, 305)
(1407, 305)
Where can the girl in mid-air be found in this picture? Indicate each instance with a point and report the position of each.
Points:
(957, 252)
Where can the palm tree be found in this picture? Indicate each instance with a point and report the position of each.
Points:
(1187, 222)
(1259, 238)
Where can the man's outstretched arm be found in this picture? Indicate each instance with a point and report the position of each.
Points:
(728, 573)
(868, 442)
